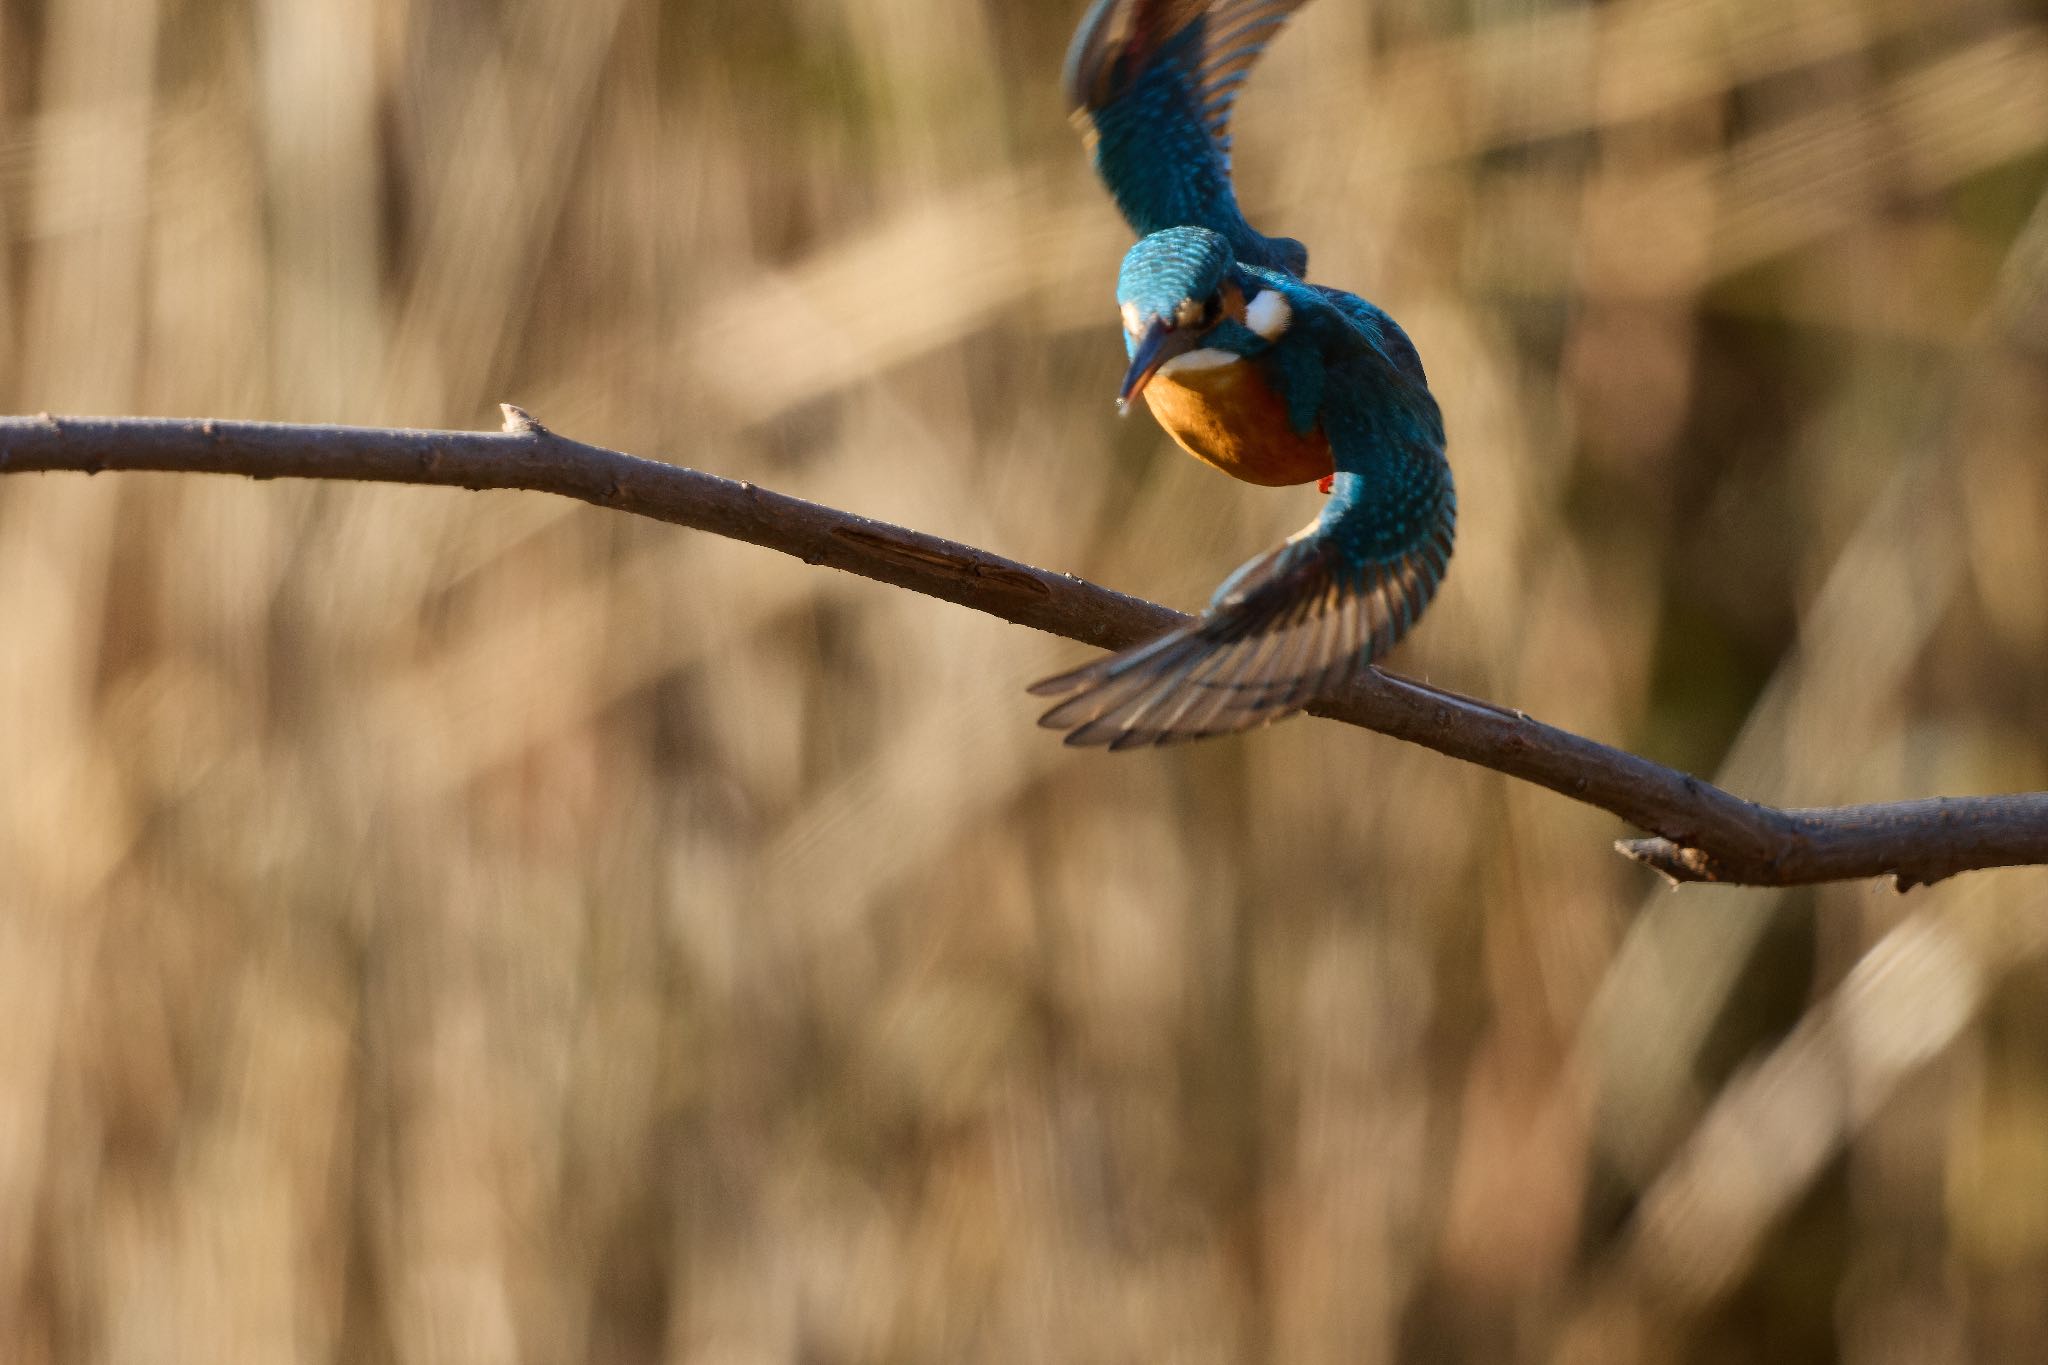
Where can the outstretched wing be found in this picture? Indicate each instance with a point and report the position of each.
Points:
(1153, 83)
(1297, 622)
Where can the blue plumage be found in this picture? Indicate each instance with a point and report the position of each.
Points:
(1152, 85)
(1269, 378)
(1170, 267)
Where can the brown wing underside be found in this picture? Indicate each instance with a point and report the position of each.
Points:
(1297, 624)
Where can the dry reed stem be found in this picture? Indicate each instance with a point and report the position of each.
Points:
(1701, 833)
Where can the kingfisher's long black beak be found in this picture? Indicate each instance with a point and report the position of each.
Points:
(1160, 343)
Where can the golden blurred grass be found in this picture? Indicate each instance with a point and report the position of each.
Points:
(446, 927)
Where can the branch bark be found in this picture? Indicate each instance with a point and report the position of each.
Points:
(1699, 831)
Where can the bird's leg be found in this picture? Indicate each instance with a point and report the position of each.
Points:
(1325, 484)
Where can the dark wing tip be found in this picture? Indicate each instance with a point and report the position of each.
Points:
(1296, 624)
(1115, 40)
(1090, 54)
(1118, 38)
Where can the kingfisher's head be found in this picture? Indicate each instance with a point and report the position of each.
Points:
(1176, 288)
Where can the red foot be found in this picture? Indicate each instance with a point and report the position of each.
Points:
(1325, 484)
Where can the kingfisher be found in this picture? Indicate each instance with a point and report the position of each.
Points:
(1259, 373)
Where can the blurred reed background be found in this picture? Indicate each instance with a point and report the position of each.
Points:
(440, 927)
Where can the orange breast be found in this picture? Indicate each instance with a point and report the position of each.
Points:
(1228, 416)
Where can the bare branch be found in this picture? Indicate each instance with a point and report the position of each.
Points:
(1702, 833)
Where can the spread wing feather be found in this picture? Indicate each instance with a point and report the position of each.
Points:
(1238, 31)
(1119, 39)
(1299, 623)
(1154, 83)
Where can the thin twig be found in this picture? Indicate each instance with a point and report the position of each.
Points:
(1701, 833)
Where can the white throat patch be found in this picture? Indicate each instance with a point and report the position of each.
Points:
(1208, 358)
(1268, 314)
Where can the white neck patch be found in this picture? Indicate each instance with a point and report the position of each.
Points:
(1268, 314)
